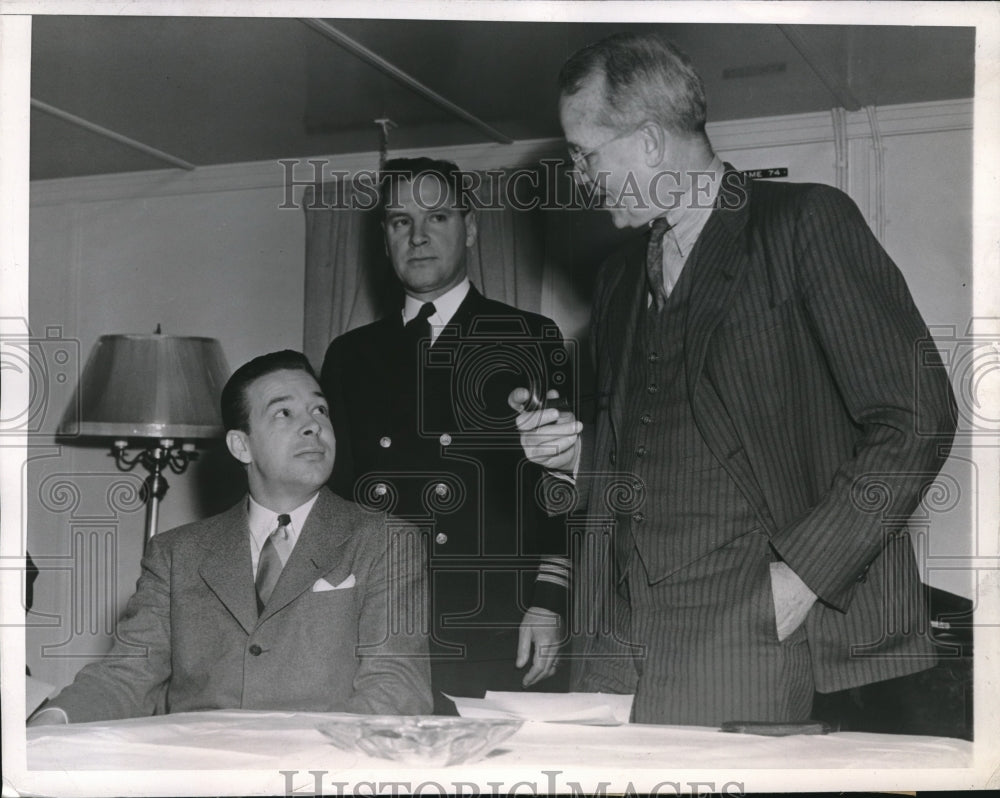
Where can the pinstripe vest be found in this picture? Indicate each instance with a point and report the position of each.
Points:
(689, 497)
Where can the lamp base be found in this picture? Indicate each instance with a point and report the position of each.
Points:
(164, 453)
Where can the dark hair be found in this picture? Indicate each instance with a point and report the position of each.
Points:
(645, 78)
(412, 170)
(235, 409)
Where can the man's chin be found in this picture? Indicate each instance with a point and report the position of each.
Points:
(623, 217)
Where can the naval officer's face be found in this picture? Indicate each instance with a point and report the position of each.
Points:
(427, 237)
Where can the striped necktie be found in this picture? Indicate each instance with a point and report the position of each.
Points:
(270, 564)
(654, 261)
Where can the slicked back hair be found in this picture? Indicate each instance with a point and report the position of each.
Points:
(645, 78)
(413, 170)
(235, 408)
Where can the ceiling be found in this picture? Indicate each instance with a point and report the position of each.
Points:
(228, 90)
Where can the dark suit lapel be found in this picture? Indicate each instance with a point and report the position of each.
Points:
(719, 263)
(393, 392)
(227, 568)
(460, 324)
(625, 313)
(316, 552)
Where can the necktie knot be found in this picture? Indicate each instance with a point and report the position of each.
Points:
(426, 311)
(284, 521)
(659, 226)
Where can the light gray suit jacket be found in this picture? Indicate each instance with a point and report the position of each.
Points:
(359, 648)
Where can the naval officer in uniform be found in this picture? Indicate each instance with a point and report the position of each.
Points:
(424, 431)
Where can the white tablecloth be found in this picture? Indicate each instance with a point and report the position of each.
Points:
(246, 739)
(641, 755)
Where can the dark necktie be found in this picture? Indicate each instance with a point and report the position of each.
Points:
(419, 327)
(654, 261)
(270, 565)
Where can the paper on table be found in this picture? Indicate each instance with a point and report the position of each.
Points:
(592, 709)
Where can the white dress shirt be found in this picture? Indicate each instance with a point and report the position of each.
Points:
(687, 221)
(263, 522)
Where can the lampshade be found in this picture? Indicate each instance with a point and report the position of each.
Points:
(150, 386)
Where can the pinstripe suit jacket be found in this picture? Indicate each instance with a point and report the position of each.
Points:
(814, 381)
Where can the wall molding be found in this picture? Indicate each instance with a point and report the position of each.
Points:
(762, 132)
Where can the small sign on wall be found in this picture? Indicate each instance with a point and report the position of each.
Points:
(763, 174)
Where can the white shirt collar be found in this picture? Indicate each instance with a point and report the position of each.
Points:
(263, 522)
(445, 307)
(690, 217)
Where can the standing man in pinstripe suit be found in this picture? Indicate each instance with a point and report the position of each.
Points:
(769, 411)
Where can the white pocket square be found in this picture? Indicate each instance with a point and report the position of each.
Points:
(321, 584)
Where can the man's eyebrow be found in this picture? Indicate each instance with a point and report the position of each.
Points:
(277, 400)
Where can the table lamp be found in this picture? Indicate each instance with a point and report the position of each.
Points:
(156, 393)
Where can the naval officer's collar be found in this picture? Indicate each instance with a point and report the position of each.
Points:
(445, 306)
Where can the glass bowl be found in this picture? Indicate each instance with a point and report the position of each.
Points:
(420, 739)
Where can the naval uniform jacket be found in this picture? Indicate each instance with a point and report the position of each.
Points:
(814, 381)
(426, 434)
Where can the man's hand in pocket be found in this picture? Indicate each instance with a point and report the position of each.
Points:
(792, 599)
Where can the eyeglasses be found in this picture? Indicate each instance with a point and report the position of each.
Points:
(579, 157)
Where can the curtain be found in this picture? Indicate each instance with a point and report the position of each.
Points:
(347, 275)
(349, 281)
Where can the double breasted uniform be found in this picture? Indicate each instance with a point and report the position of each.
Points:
(424, 432)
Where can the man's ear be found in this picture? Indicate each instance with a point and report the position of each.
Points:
(654, 142)
(239, 446)
(471, 228)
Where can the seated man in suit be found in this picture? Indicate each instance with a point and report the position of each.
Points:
(282, 602)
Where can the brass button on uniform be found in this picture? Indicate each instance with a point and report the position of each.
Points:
(441, 538)
(381, 489)
(385, 441)
(652, 388)
(638, 518)
(645, 418)
(441, 489)
(255, 650)
(652, 357)
(640, 451)
(445, 439)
